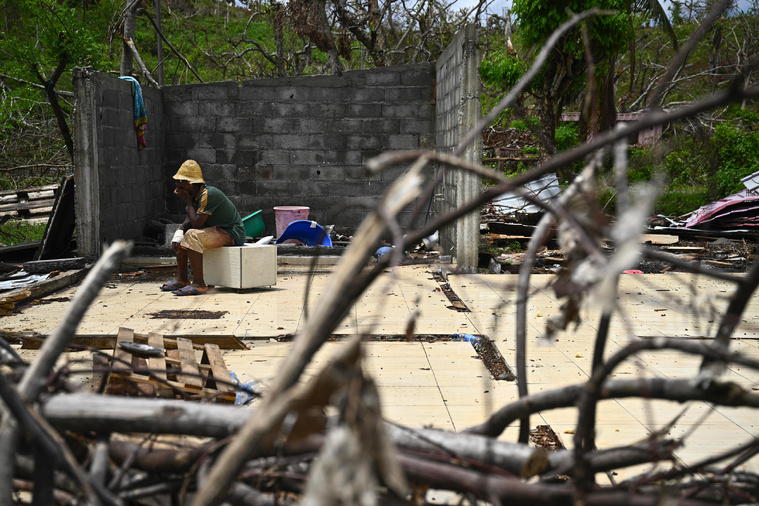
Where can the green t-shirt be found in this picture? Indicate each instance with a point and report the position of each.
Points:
(221, 212)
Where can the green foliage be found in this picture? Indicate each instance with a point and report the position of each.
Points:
(737, 155)
(680, 201)
(19, 231)
(688, 164)
(538, 19)
(502, 71)
(641, 165)
(676, 12)
(528, 124)
(54, 33)
(43, 35)
(749, 117)
(566, 136)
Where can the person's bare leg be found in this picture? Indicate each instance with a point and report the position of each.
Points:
(182, 277)
(196, 262)
(182, 274)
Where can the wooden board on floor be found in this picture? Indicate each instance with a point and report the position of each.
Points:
(174, 373)
(106, 342)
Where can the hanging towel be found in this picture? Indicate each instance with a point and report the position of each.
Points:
(140, 116)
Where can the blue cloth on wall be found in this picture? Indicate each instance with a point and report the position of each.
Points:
(139, 114)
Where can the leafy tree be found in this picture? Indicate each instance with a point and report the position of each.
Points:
(607, 36)
(42, 41)
(737, 157)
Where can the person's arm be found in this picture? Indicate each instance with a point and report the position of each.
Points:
(194, 219)
(197, 220)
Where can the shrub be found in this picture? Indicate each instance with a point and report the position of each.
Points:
(19, 231)
(528, 124)
(737, 156)
(677, 202)
(641, 164)
(566, 136)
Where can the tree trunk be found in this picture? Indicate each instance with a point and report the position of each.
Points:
(599, 112)
(130, 18)
(52, 99)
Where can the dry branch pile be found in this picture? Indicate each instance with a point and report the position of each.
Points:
(75, 448)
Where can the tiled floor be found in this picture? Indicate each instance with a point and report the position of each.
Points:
(444, 384)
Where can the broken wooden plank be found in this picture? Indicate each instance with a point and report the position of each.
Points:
(121, 367)
(34, 192)
(219, 371)
(60, 227)
(145, 389)
(207, 393)
(8, 302)
(122, 358)
(189, 373)
(105, 342)
(157, 365)
(42, 288)
(683, 249)
(56, 264)
(659, 239)
(205, 369)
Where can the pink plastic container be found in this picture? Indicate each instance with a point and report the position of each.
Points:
(284, 215)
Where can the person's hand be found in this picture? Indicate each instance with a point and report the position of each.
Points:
(177, 239)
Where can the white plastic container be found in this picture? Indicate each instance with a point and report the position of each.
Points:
(246, 266)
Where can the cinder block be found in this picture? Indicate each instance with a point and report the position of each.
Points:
(331, 143)
(403, 141)
(383, 77)
(367, 95)
(363, 110)
(290, 141)
(402, 94)
(361, 142)
(215, 91)
(216, 108)
(256, 91)
(381, 126)
(290, 110)
(241, 266)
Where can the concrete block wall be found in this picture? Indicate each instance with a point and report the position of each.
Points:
(300, 140)
(118, 188)
(458, 111)
(274, 142)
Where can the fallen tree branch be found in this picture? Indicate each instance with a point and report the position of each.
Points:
(171, 46)
(677, 390)
(330, 309)
(143, 68)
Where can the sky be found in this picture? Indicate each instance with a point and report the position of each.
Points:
(497, 5)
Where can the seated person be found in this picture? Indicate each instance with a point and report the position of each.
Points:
(212, 222)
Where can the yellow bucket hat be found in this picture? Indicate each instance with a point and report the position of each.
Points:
(190, 171)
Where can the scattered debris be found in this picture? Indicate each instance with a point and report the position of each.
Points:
(491, 358)
(458, 304)
(59, 264)
(543, 436)
(172, 373)
(188, 314)
(27, 203)
(737, 211)
(59, 233)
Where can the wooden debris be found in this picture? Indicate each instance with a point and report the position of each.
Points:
(8, 300)
(104, 342)
(659, 239)
(175, 374)
(35, 202)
